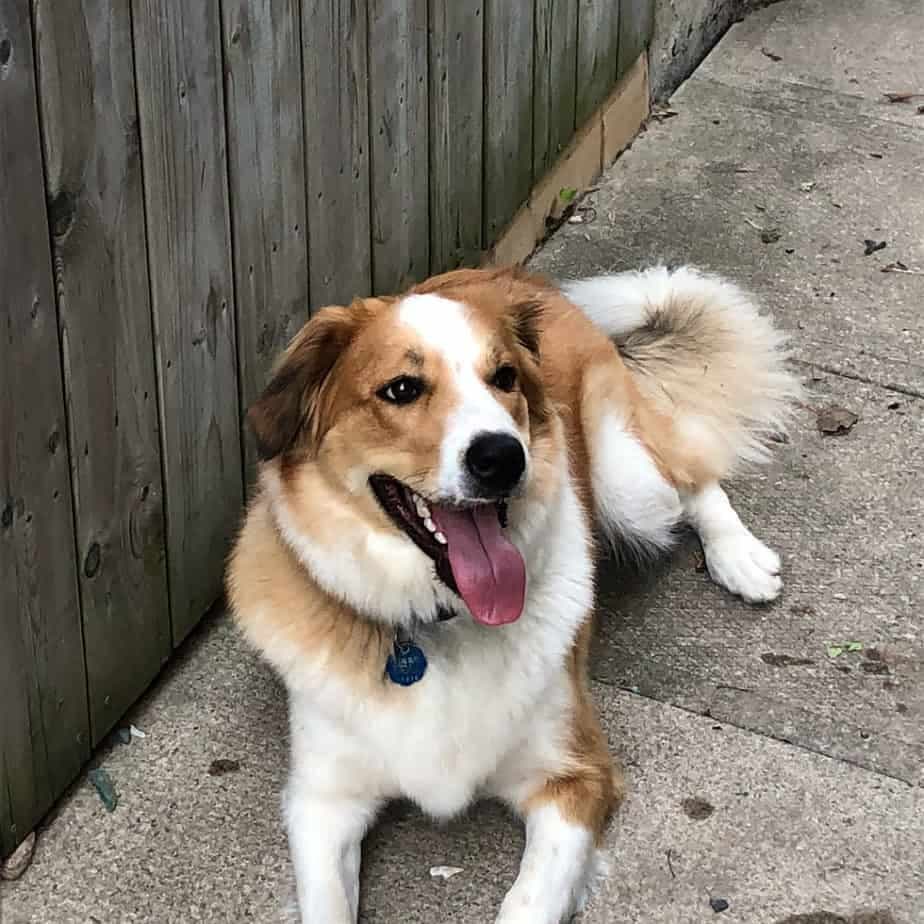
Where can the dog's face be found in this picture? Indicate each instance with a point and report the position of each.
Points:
(421, 421)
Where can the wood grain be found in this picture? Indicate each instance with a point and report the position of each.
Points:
(180, 102)
(456, 122)
(508, 112)
(598, 49)
(636, 22)
(266, 159)
(44, 732)
(398, 116)
(555, 81)
(334, 46)
(93, 184)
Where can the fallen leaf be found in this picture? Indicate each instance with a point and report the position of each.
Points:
(871, 246)
(894, 405)
(662, 113)
(567, 193)
(876, 668)
(807, 187)
(718, 905)
(835, 420)
(770, 235)
(899, 267)
(222, 765)
(771, 55)
(445, 872)
(834, 651)
(136, 732)
(854, 646)
(19, 860)
(903, 97)
(784, 660)
(102, 781)
(696, 808)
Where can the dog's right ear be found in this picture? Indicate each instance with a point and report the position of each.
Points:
(291, 404)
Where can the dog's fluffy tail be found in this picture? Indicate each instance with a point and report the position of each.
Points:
(701, 353)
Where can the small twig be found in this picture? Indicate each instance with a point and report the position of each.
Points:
(899, 267)
(670, 864)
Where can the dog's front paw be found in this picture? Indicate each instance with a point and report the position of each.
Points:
(741, 563)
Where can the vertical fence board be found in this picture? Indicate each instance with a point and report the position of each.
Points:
(266, 157)
(508, 111)
(334, 34)
(636, 21)
(598, 50)
(93, 184)
(456, 102)
(180, 101)
(554, 85)
(398, 120)
(44, 731)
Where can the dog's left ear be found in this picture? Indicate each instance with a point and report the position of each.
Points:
(291, 404)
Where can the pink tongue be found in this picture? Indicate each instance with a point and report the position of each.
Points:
(488, 569)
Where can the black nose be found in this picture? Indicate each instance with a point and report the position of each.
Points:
(496, 461)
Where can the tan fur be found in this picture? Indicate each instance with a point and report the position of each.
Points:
(329, 377)
(277, 604)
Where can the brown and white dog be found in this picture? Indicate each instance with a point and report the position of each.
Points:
(418, 563)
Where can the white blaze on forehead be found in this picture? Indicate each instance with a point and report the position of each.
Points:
(444, 327)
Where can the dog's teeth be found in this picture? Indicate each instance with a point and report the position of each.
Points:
(423, 511)
(440, 538)
(430, 525)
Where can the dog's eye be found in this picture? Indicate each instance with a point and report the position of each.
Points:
(402, 390)
(504, 378)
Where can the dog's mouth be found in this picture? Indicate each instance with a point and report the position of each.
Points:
(473, 556)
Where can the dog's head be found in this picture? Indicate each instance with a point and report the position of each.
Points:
(404, 440)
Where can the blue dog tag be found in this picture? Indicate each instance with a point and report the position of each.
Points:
(407, 663)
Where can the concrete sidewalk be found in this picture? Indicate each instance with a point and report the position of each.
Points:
(770, 767)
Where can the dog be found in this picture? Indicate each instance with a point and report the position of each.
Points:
(417, 562)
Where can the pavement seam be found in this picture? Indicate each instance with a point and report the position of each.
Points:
(857, 377)
(857, 106)
(793, 744)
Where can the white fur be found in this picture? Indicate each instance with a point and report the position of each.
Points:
(494, 711)
(739, 395)
(555, 871)
(635, 503)
(443, 326)
(379, 572)
(490, 715)
(735, 557)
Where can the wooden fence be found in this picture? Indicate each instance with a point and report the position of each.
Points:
(180, 181)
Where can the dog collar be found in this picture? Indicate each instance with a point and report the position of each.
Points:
(407, 662)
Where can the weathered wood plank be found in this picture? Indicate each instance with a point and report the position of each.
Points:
(555, 81)
(598, 50)
(398, 115)
(334, 34)
(180, 102)
(636, 21)
(266, 157)
(93, 184)
(456, 119)
(508, 112)
(44, 731)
